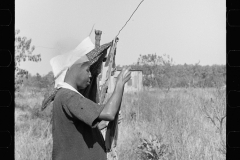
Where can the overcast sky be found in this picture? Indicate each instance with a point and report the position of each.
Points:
(187, 30)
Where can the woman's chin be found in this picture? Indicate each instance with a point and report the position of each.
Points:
(83, 87)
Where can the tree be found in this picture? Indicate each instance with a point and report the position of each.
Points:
(157, 69)
(23, 52)
(48, 80)
(39, 81)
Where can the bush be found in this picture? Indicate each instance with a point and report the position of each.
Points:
(154, 149)
(184, 124)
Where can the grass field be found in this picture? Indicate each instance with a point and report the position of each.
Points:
(182, 124)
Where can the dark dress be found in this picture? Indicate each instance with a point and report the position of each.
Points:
(75, 132)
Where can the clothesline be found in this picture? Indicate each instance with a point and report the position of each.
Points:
(45, 47)
(94, 24)
(130, 17)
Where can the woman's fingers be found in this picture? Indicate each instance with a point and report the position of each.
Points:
(128, 73)
(127, 77)
(126, 70)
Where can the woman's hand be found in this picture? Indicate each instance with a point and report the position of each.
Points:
(119, 117)
(123, 77)
(113, 104)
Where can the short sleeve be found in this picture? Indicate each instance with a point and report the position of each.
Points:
(84, 109)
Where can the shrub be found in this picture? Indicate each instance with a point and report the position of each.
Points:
(153, 148)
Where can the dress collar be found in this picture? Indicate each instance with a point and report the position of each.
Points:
(67, 86)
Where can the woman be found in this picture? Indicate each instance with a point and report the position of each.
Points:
(75, 118)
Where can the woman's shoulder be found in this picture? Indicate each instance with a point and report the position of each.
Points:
(64, 94)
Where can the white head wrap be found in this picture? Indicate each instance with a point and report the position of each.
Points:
(61, 63)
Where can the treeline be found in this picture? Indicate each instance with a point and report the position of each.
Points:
(184, 76)
(39, 81)
(160, 72)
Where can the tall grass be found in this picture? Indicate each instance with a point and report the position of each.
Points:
(181, 124)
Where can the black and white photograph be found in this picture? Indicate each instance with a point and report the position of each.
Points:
(120, 80)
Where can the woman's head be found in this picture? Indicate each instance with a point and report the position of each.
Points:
(79, 75)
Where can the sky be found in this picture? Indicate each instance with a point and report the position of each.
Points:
(188, 31)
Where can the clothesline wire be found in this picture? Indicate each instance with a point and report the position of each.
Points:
(45, 47)
(94, 24)
(92, 29)
(130, 17)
